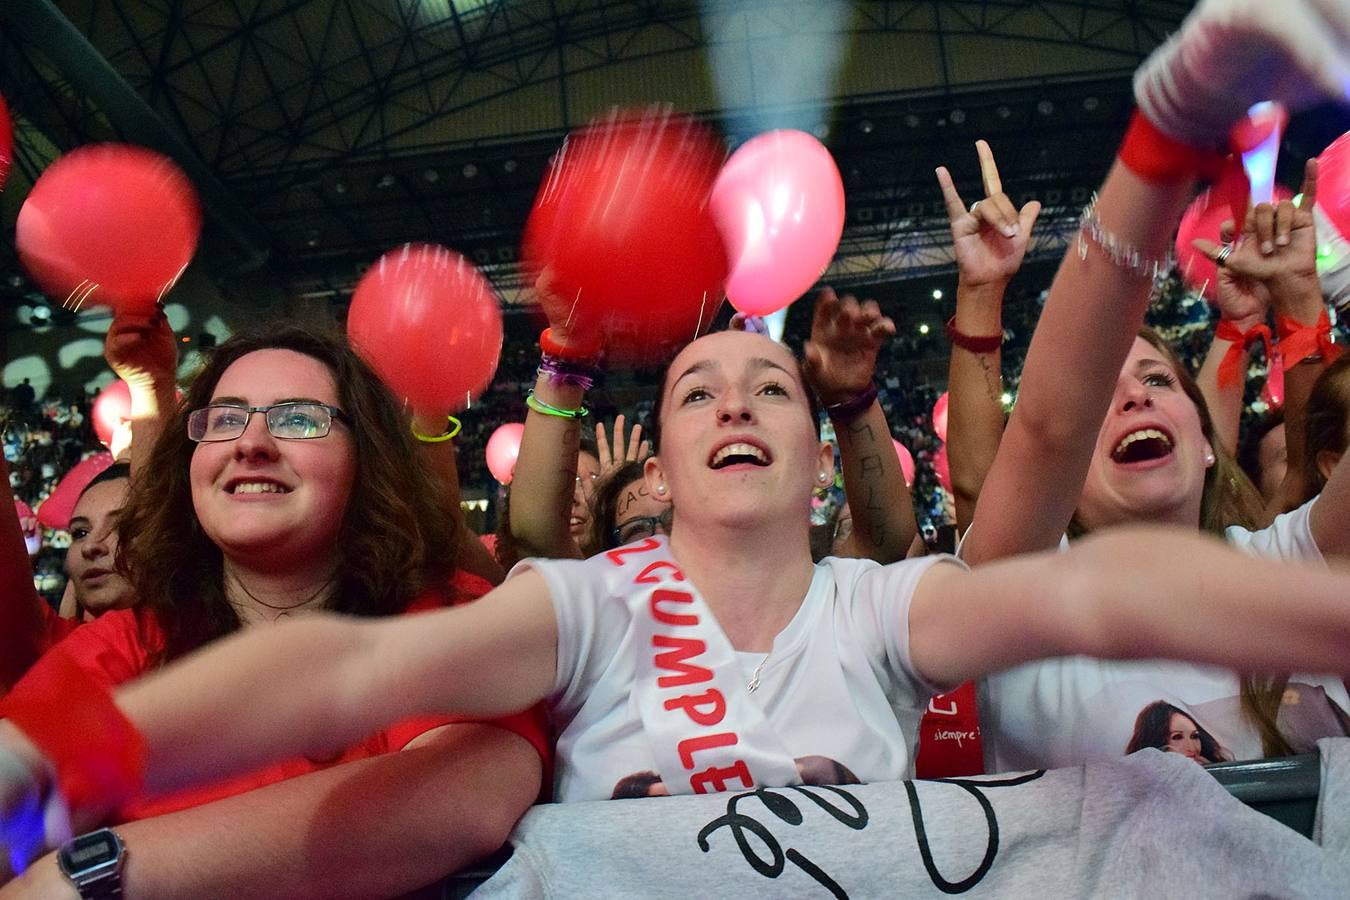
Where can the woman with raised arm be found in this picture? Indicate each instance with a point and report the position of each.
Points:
(715, 659)
(1155, 457)
(989, 240)
(288, 483)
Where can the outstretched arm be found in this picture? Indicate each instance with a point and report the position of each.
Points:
(448, 800)
(143, 352)
(1132, 592)
(840, 361)
(22, 621)
(990, 240)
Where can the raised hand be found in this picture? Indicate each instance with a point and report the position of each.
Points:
(841, 355)
(625, 449)
(1277, 251)
(990, 239)
(142, 350)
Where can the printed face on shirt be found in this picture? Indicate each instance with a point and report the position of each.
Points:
(1151, 455)
(93, 548)
(1183, 736)
(737, 438)
(263, 497)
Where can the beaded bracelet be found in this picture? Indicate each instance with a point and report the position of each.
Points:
(454, 426)
(846, 411)
(1118, 253)
(973, 343)
(549, 409)
(565, 371)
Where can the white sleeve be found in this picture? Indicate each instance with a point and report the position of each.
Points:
(881, 599)
(1289, 537)
(577, 588)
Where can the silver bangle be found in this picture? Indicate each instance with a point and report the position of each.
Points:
(1122, 255)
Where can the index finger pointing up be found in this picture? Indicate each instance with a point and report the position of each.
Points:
(988, 169)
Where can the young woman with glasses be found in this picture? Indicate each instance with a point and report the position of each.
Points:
(290, 483)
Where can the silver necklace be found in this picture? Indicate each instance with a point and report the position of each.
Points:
(753, 684)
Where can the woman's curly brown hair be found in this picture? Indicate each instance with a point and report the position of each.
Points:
(398, 532)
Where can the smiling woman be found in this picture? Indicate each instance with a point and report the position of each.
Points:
(289, 482)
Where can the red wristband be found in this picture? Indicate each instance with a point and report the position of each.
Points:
(1154, 156)
(572, 351)
(98, 755)
(1230, 365)
(973, 343)
(1299, 342)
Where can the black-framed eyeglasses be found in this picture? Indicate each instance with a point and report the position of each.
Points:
(292, 421)
(640, 527)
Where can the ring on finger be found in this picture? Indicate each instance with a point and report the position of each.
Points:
(975, 204)
(1221, 258)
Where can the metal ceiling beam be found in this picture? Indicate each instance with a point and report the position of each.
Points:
(42, 25)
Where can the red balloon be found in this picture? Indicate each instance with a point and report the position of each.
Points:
(109, 223)
(56, 510)
(112, 407)
(1202, 220)
(6, 142)
(502, 449)
(623, 233)
(940, 416)
(1333, 184)
(942, 467)
(906, 462)
(429, 324)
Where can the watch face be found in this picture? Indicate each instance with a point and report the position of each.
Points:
(89, 855)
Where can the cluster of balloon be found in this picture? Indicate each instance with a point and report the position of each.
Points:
(623, 237)
(503, 447)
(779, 202)
(109, 223)
(6, 142)
(906, 462)
(1332, 213)
(56, 510)
(430, 326)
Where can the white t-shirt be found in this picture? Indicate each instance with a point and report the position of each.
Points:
(837, 686)
(1075, 710)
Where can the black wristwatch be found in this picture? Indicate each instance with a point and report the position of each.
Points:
(93, 863)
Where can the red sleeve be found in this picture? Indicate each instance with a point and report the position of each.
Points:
(110, 650)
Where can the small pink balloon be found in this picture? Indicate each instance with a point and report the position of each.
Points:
(112, 407)
(942, 467)
(1333, 184)
(906, 462)
(779, 203)
(55, 511)
(502, 449)
(940, 416)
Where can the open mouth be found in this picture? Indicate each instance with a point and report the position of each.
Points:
(256, 487)
(739, 453)
(1142, 445)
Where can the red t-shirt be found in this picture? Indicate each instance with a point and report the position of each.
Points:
(119, 646)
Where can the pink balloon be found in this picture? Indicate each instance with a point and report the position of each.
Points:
(779, 203)
(940, 416)
(942, 467)
(1202, 220)
(906, 462)
(502, 449)
(1333, 183)
(55, 511)
(109, 223)
(429, 324)
(112, 407)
